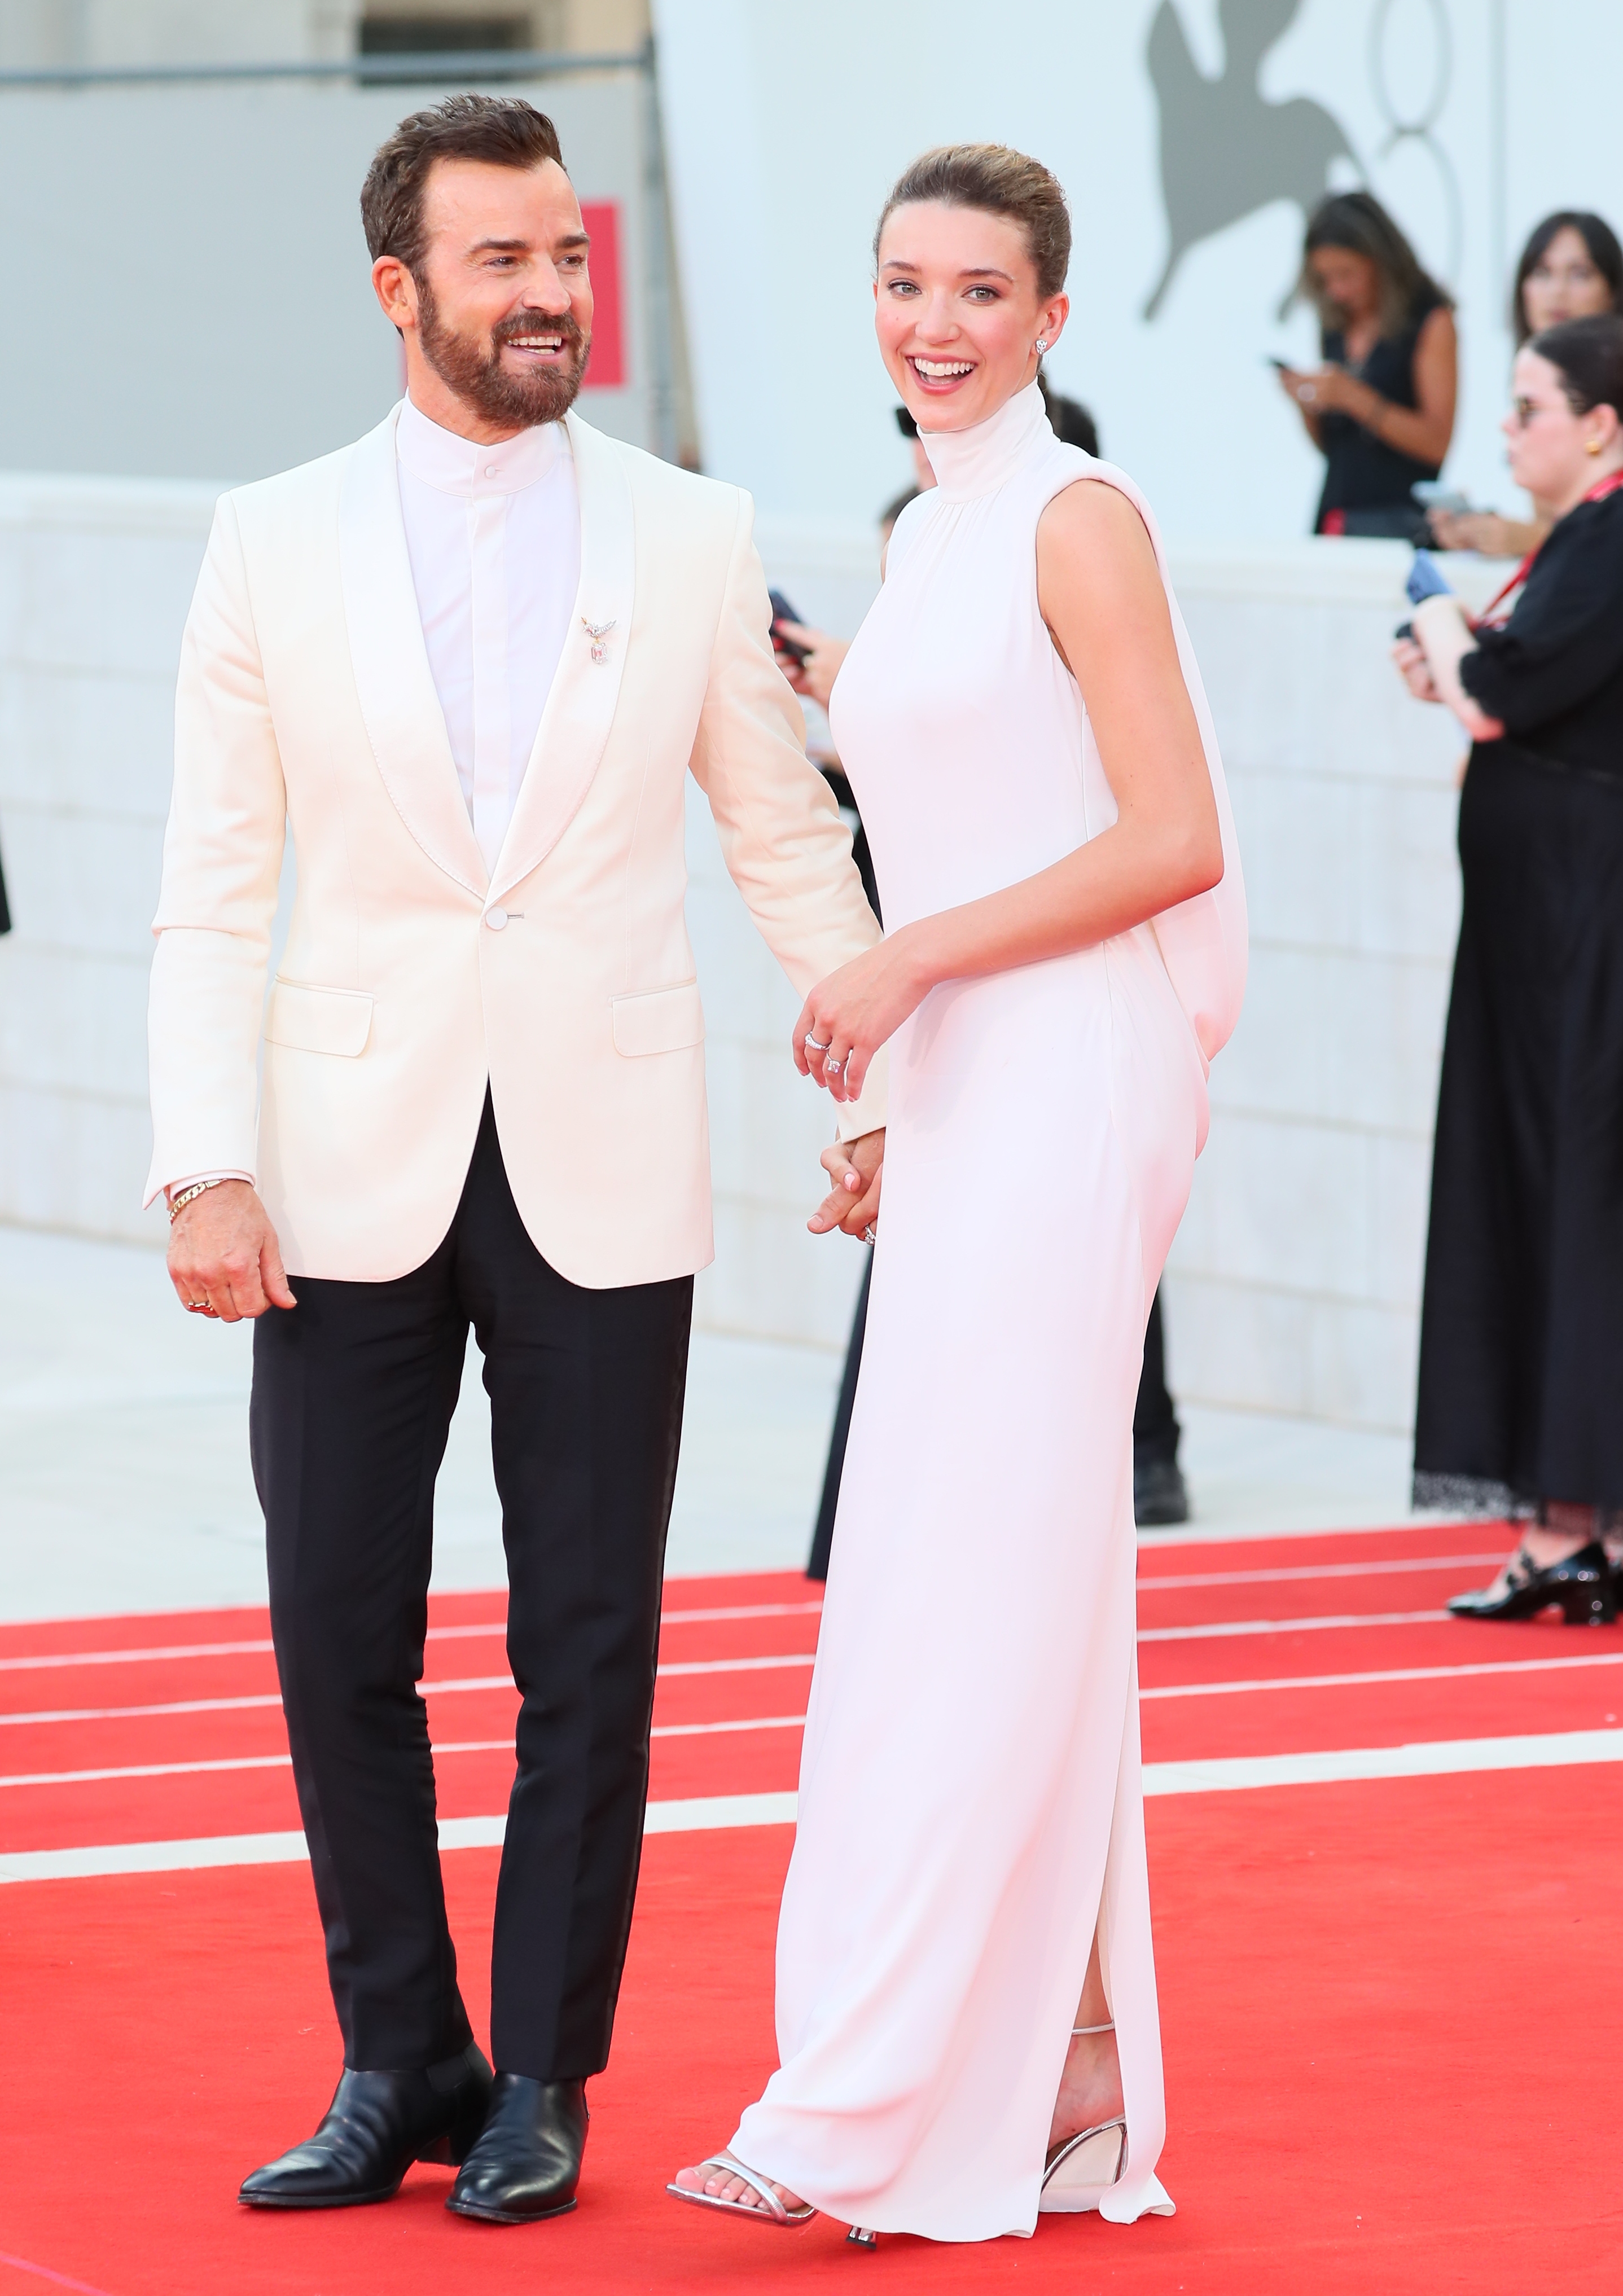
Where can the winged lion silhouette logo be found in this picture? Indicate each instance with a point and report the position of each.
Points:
(1225, 150)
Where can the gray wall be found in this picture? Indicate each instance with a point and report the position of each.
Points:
(185, 279)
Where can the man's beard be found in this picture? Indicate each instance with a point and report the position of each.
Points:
(473, 370)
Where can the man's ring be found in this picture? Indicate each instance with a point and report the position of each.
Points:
(812, 1043)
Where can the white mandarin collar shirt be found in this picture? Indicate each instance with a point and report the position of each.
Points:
(494, 538)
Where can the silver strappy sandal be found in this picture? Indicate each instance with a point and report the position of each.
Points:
(1079, 2173)
(773, 2213)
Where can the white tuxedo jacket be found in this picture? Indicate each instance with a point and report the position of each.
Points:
(411, 976)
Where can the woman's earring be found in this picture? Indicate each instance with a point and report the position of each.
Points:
(1594, 446)
(1042, 345)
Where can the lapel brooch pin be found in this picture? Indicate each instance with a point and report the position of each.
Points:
(597, 632)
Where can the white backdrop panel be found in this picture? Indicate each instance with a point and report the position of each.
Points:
(785, 131)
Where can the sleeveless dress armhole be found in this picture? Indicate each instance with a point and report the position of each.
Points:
(1203, 941)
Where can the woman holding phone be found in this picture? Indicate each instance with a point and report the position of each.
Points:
(1521, 1329)
(1381, 407)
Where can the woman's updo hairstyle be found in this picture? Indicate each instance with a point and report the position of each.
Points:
(999, 182)
(1588, 356)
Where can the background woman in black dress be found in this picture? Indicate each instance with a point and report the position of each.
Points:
(1521, 1401)
(1381, 409)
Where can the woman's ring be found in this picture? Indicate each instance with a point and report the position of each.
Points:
(1307, 393)
(199, 1308)
(812, 1043)
(832, 1068)
(869, 1233)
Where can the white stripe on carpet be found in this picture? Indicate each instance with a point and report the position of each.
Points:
(1441, 1758)
(143, 1653)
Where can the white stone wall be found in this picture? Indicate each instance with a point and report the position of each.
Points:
(95, 577)
(1294, 1283)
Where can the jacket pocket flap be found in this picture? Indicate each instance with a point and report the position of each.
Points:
(318, 1019)
(659, 1020)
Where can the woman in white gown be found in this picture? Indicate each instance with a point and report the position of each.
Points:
(966, 2004)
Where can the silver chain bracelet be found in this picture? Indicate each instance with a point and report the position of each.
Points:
(178, 1204)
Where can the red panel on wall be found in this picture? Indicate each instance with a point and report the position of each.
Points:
(607, 367)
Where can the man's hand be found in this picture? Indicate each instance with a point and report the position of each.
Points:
(224, 1258)
(856, 1168)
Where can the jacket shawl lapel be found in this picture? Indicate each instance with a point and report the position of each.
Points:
(574, 728)
(399, 706)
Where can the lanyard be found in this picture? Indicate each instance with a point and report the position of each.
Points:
(1597, 493)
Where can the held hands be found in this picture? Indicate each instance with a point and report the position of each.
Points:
(848, 1016)
(224, 1258)
(856, 1168)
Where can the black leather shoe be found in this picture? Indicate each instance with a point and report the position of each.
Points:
(525, 2162)
(375, 2126)
(1583, 1586)
(1159, 1493)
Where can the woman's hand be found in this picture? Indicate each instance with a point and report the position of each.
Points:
(1328, 390)
(1303, 389)
(1416, 670)
(1446, 637)
(848, 1016)
(1485, 530)
(815, 677)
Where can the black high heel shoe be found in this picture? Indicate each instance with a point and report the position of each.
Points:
(1583, 1586)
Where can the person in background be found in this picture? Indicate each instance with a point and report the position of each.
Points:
(1571, 268)
(1160, 1494)
(1520, 1396)
(1380, 408)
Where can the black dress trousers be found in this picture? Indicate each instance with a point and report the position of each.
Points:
(353, 1394)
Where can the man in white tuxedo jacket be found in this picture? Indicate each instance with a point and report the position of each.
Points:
(470, 661)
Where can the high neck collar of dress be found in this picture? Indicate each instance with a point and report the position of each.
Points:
(455, 465)
(979, 461)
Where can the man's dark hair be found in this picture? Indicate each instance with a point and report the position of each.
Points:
(503, 130)
(1604, 252)
(1588, 356)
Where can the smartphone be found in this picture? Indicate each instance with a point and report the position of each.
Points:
(1426, 579)
(782, 612)
(1430, 496)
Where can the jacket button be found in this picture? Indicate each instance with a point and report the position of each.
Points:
(496, 919)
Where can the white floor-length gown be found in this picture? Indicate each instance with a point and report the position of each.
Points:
(971, 1803)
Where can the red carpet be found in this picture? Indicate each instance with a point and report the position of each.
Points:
(1394, 2030)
